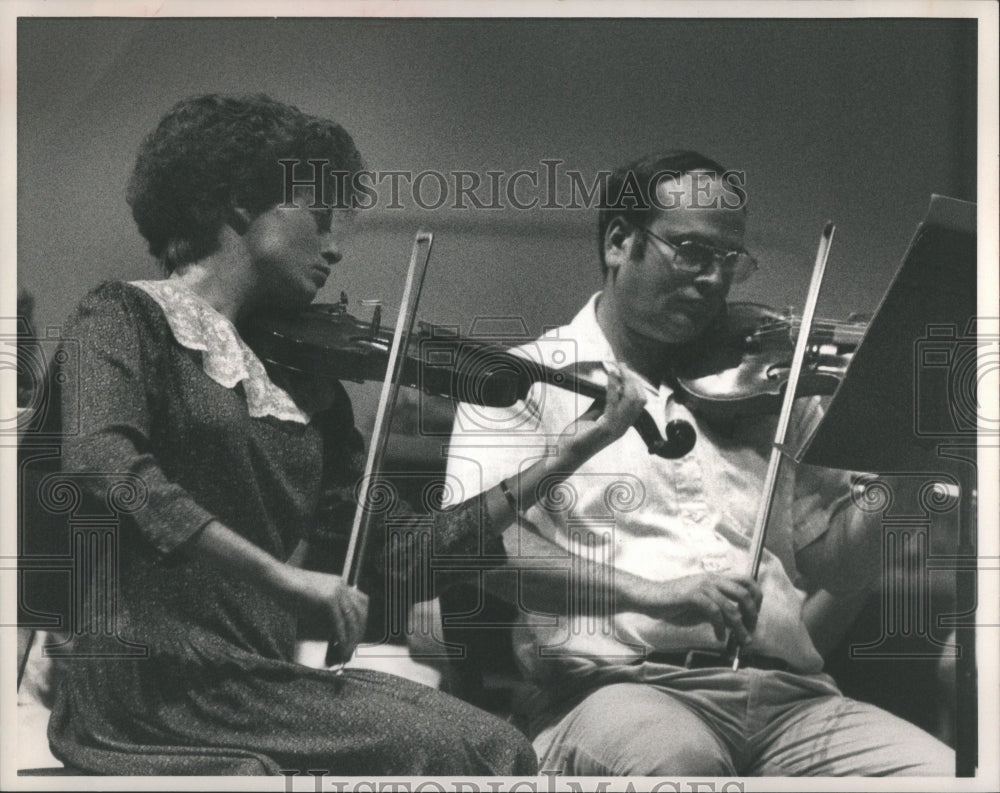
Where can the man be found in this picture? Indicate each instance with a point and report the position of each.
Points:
(643, 560)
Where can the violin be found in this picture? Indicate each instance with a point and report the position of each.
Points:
(740, 367)
(326, 341)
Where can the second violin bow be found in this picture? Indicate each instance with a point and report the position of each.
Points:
(781, 432)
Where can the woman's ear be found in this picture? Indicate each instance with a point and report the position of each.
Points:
(619, 239)
(238, 219)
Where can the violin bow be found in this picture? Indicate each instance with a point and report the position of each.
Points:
(781, 432)
(419, 258)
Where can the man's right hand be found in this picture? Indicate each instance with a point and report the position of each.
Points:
(728, 602)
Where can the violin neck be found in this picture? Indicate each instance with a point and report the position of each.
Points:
(570, 381)
(842, 334)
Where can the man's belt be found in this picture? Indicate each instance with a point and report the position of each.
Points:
(698, 659)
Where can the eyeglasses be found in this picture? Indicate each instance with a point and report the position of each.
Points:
(694, 258)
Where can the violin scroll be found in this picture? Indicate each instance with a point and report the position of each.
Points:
(680, 437)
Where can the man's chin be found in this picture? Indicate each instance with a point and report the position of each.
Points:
(673, 332)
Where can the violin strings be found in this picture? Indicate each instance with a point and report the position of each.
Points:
(774, 327)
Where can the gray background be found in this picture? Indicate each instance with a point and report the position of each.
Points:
(857, 121)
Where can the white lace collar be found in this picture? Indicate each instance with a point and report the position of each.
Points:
(225, 357)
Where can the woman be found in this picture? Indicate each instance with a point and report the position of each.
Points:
(227, 468)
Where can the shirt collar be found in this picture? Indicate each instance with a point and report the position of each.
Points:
(593, 347)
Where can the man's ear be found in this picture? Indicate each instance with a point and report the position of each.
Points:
(619, 240)
(238, 219)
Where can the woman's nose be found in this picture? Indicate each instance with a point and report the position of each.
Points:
(331, 250)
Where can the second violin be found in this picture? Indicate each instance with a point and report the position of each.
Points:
(741, 367)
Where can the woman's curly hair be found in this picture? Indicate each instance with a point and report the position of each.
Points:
(212, 153)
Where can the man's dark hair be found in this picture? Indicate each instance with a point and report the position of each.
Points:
(630, 192)
(212, 153)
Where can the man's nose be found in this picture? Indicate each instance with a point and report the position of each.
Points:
(712, 278)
